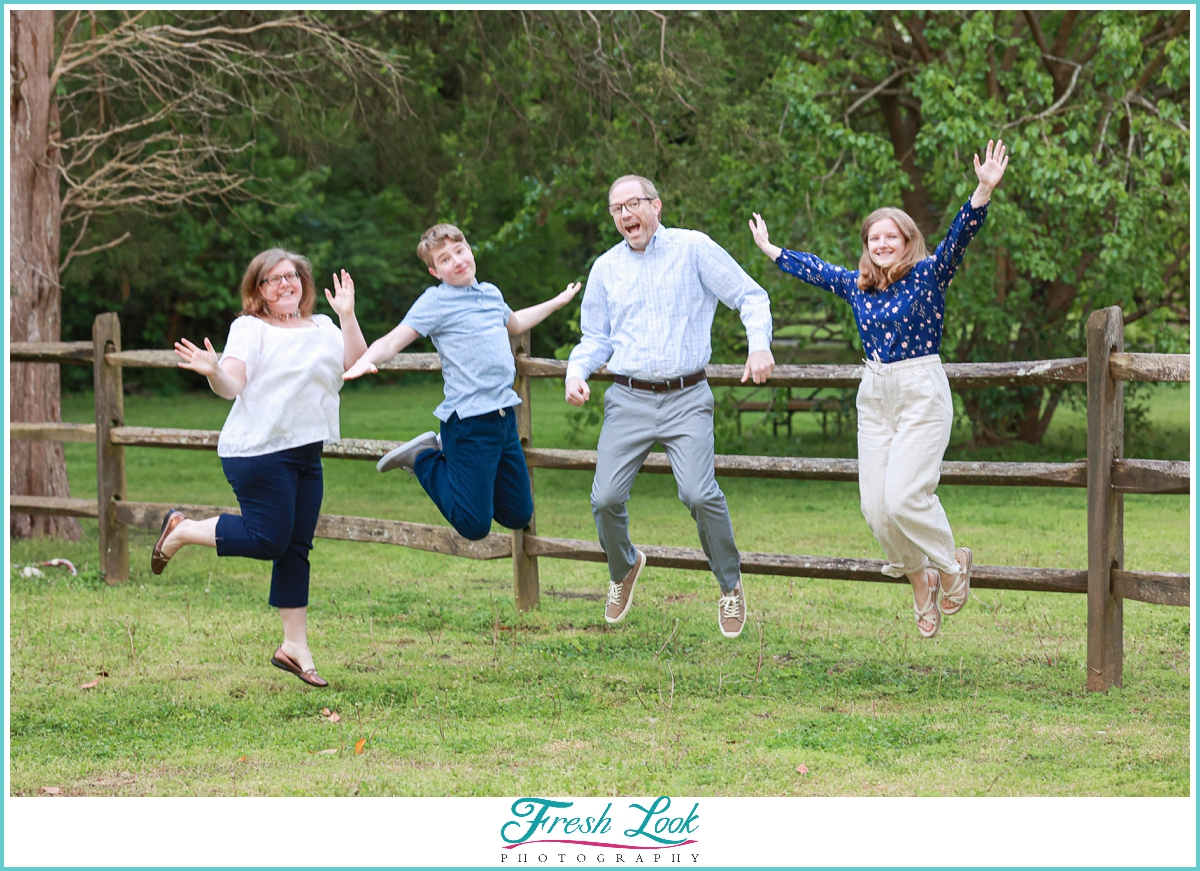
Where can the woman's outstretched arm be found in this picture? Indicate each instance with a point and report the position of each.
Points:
(226, 376)
(342, 302)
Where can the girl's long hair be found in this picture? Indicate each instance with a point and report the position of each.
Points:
(872, 277)
(253, 302)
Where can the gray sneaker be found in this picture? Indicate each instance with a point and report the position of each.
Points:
(731, 612)
(404, 456)
(620, 596)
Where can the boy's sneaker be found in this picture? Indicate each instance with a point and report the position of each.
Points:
(404, 456)
(731, 612)
(620, 596)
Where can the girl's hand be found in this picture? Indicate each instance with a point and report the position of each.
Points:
(343, 302)
(992, 169)
(198, 360)
(758, 229)
(567, 295)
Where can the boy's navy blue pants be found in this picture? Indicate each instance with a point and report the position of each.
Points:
(280, 497)
(479, 474)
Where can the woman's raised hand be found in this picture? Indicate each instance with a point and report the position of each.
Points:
(201, 360)
(994, 163)
(343, 302)
(758, 229)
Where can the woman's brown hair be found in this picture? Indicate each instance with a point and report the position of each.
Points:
(253, 302)
(872, 277)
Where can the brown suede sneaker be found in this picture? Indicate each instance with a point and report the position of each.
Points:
(731, 612)
(620, 596)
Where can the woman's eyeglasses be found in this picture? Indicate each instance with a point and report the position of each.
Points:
(273, 280)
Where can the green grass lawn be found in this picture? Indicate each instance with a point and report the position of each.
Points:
(458, 694)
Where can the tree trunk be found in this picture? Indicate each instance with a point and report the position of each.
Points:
(37, 468)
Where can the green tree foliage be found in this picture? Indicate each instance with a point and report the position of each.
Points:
(516, 122)
(887, 108)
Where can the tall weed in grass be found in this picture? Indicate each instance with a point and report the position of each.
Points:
(440, 687)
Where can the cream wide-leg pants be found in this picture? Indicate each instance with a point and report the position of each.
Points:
(904, 418)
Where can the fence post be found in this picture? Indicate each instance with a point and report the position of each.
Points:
(526, 584)
(1106, 508)
(110, 458)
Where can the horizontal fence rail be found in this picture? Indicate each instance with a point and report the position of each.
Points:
(1106, 582)
(1126, 367)
(1161, 588)
(1129, 476)
(54, 432)
(77, 353)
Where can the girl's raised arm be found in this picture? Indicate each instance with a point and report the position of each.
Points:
(758, 229)
(989, 172)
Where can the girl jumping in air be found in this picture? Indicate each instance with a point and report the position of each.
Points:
(898, 295)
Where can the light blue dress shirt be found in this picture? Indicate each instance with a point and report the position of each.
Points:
(468, 329)
(649, 315)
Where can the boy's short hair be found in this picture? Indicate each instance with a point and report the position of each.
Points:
(435, 237)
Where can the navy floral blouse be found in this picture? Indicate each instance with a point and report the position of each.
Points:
(905, 319)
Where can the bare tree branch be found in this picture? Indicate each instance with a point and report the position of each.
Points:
(874, 91)
(1175, 29)
(1058, 104)
(112, 243)
(156, 106)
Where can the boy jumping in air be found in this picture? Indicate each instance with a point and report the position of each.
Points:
(474, 470)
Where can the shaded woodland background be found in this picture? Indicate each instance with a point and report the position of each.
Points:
(156, 152)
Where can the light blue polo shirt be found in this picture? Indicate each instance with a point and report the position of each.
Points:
(468, 328)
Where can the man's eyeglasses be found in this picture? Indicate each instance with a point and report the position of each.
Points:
(273, 280)
(631, 205)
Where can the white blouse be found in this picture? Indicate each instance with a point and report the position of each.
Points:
(292, 381)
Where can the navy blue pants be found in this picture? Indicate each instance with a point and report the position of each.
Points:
(280, 497)
(479, 474)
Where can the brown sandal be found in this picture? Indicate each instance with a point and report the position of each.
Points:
(309, 676)
(159, 560)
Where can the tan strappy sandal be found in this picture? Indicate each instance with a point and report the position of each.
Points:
(929, 613)
(952, 598)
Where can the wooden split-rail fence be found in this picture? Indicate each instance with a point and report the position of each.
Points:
(1106, 474)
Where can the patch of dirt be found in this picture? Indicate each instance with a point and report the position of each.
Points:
(568, 594)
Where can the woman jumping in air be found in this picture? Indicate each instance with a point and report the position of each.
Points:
(898, 295)
(282, 367)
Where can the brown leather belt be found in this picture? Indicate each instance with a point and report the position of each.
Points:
(661, 386)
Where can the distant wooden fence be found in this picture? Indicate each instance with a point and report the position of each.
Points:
(1106, 474)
